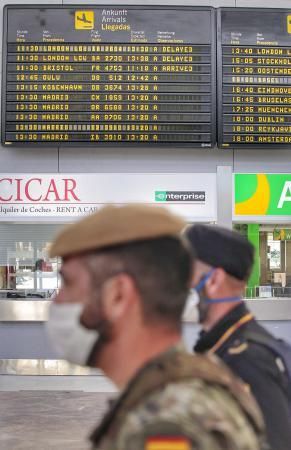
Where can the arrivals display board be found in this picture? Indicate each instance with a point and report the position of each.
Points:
(254, 77)
(89, 75)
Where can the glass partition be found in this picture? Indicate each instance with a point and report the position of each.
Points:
(26, 271)
(271, 275)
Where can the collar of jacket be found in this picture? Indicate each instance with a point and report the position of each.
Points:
(208, 339)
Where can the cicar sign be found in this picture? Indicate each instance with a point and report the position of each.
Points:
(37, 190)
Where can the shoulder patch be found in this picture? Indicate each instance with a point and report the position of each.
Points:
(237, 349)
(167, 443)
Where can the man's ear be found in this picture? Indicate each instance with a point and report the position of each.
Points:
(214, 283)
(119, 294)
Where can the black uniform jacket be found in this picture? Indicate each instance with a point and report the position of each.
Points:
(257, 366)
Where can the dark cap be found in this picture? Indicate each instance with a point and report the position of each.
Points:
(115, 225)
(220, 247)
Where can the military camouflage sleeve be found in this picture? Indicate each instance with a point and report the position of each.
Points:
(167, 436)
(190, 416)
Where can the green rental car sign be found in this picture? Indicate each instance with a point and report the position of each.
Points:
(262, 194)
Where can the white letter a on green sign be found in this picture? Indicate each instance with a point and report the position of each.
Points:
(286, 194)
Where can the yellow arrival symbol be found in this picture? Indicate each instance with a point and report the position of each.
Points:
(289, 24)
(84, 20)
(258, 204)
(282, 234)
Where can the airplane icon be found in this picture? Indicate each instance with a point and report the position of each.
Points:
(84, 20)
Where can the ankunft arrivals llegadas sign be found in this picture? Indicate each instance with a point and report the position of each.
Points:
(262, 194)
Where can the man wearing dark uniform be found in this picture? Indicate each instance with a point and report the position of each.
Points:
(126, 276)
(224, 263)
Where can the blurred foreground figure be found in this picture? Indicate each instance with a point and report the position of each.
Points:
(224, 263)
(126, 276)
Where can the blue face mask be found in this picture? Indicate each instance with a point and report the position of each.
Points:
(198, 288)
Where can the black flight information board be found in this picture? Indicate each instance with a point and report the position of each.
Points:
(88, 75)
(254, 77)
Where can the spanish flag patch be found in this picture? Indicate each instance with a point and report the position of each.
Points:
(167, 443)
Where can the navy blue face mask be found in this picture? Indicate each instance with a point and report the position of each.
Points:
(198, 288)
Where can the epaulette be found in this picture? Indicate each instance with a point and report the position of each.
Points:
(238, 346)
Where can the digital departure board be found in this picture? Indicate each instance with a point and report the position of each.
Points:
(254, 77)
(90, 75)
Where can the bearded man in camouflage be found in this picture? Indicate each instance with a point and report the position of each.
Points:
(126, 276)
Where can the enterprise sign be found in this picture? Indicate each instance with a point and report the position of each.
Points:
(180, 196)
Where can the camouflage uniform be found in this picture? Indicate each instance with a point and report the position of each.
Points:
(182, 402)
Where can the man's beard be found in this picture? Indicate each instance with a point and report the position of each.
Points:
(105, 336)
(94, 318)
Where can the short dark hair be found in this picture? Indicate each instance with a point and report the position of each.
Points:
(161, 269)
